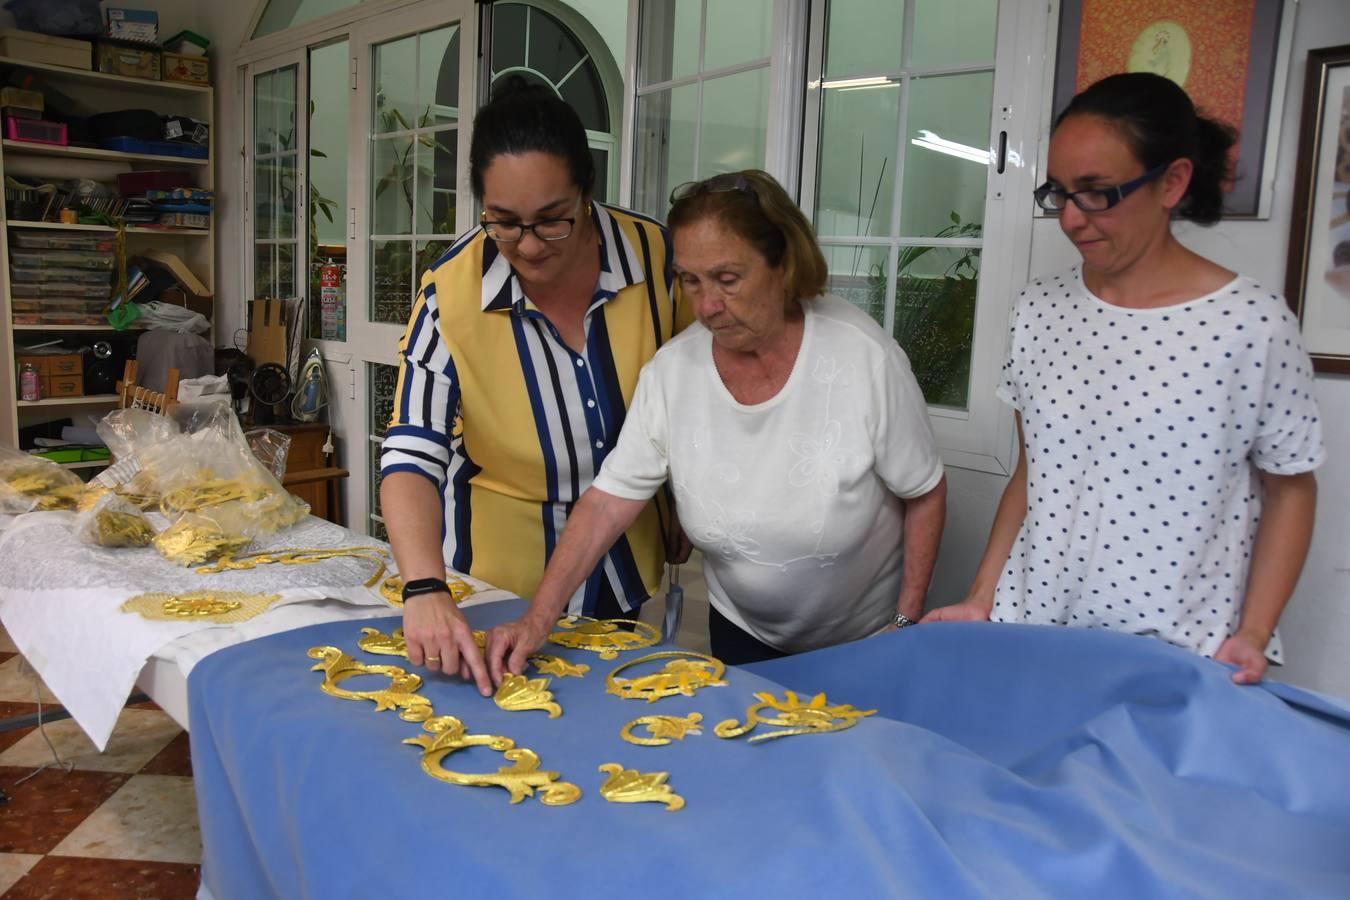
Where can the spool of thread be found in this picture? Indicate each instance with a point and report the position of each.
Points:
(69, 217)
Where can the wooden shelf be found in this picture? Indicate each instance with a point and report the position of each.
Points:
(131, 229)
(111, 81)
(29, 149)
(91, 400)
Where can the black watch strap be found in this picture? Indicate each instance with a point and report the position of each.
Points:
(424, 586)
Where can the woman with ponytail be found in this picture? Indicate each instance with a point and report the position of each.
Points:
(1164, 403)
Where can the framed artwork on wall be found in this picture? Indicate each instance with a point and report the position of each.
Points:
(1231, 56)
(1317, 279)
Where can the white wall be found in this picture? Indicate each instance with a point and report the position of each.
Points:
(1316, 625)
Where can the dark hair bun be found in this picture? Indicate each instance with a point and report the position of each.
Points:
(527, 116)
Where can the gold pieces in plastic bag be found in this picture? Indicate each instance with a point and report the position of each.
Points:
(114, 528)
(445, 735)
(91, 494)
(792, 716)
(381, 644)
(401, 693)
(200, 606)
(193, 540)
(631, 786)
(604, 636)
(208, 492)
(548, 664)
(663, 729)
(298, 557)
(45, 485)
(686, 672)
(392, 589)
(517, 693)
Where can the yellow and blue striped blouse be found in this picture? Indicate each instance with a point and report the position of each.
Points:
(512, 425)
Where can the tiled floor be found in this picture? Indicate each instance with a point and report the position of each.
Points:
(123, 823)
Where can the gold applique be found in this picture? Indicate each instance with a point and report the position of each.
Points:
(299, 557)
(115, 528)
(663, 729)
(548, 664)
(381, 644)
(392, 589)
(517, 693)
(631, 786)
(445, 735)
(401, 693)
(685, 673)
(604, 636)
(192, 540)
(200, 606)
(793, 716)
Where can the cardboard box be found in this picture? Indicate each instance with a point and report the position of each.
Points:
(19, 98)
(133, 24)
(267, 331)
(190, 292)
(128, 60)
(43, 48)
(187, 69)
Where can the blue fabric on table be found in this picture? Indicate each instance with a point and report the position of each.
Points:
(1004, 761)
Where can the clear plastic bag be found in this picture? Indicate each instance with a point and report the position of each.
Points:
(30, 483)
(111, 521)
(271, 448)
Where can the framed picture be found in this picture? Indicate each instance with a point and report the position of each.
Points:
(1317, 280)
(1231, 56)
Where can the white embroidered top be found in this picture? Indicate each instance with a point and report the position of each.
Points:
(794, 502)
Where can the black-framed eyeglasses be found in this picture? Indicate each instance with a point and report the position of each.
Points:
(718, 184)
(1053, 199)
(544, 229)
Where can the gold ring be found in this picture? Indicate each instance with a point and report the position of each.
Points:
(432, 659)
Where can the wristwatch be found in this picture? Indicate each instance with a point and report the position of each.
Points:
(424, 586)
(899, 620)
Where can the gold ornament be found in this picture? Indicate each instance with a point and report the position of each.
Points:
(401, 693)
(663, 729)
(208, 492)
(604, 636)
(113, 528)
(392, 589)
(44, 484)
(685, 673)
(193, 540)
(517, 693)
(381, 644)
(794, 717)
(631, 786)
(298, 557)
(206, 606)
(548, 664)
(91, 494)
(445, 735)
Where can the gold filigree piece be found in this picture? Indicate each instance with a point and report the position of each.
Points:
(200, 606)
(604, 636)
(686, 672)
(548, 664)
(392, 589)
(663, 729)
(381, 644)
(631, 786)
(793, 717)
(299, 557)
(193, 540)
(445, 735)
(401, 693)
(517, 693)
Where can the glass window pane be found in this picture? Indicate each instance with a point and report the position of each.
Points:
(855, 189)
(737, 32)
(954, 33)
(286, 196)
(553, 51)
(863, 38)
(395, 97)
(601, 160)
(508, 36)
(438, 82)
(264, 114)
(947, 153)
(392, 163)
(286, 254)
(391, 281)
(283, 14)
(669, 40)
(264, 191)
(735, 123)
(439, 216)
(327, 187)
(586, 94)
(428, 252)
(665, 155)
(935, 319)
(375, 479)
(858, 275)
(383, 381)
(283, 106)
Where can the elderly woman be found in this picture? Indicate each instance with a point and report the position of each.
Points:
(793, 433)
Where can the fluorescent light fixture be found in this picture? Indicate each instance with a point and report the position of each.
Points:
(930, 141)
(873, 81)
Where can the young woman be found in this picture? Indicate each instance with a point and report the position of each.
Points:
(1165, 404)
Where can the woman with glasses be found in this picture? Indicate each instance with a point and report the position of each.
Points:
(521, 356)
(1164, 403)
(793, 434)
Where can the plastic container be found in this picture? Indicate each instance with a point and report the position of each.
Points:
(56, 259)
(61, 240)
(43, 48)
(138, 184)
(69, 290)
(30, 383)
(35, 276)
(128, 60)
(36, 131)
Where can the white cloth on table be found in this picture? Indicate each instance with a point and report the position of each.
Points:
(795, 502)
(1145, 430)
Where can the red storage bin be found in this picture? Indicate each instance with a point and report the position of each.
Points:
(35, 131)
(135, 184)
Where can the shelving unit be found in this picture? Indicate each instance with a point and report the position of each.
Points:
(94, 92)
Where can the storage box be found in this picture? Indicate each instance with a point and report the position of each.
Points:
(63, 386)
(128, 60)
(18, 97)
(135, 184)
(133, 25)
(187, 43)
(184, 220)
(187, 69)
(43, 48)
(35, 131)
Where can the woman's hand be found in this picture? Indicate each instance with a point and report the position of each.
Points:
(965, 611)
(509, 646)
(438, 637)
(1248, 653)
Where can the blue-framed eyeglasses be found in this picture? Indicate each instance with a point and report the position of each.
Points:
(1053, 199)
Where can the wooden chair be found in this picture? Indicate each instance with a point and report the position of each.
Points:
(130, 395)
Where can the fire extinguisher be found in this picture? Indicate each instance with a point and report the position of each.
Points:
(333, 302)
